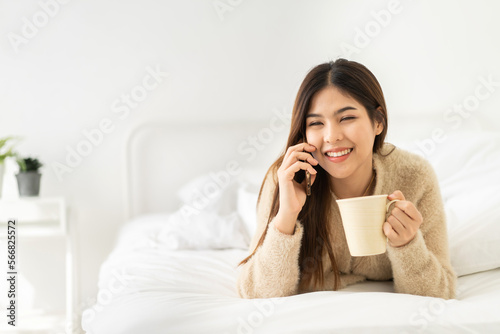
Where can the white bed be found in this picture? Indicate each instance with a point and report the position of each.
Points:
(174, 266)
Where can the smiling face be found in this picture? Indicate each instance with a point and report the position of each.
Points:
(341, 130)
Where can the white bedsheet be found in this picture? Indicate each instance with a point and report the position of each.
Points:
(146, 288)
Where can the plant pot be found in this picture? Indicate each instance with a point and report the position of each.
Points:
(28, 183)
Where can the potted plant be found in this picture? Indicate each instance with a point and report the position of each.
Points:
(28, 179)
(5, 152)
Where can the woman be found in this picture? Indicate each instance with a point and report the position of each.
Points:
(339, 123)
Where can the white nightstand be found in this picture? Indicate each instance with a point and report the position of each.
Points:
(38, 217)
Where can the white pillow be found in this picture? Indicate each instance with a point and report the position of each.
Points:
(468, 168)
(208, 217)
(239, 194)
(475, 244)
(206, 230)
(247, 206)
(189, 191)
(208, 193)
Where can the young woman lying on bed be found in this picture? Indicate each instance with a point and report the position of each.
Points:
(300, 245)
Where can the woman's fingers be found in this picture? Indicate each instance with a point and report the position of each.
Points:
(313, 178)
(389, 231)
(297, 154)
(302, 147)
(292, 194)
(402, 224)
(407, 208)
(297, 166)
(397, 223)
(303, 156)
(396, 195)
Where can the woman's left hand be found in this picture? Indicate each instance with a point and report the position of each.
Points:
(403, 222)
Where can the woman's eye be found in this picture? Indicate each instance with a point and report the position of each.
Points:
(314, 123)
(347, 118)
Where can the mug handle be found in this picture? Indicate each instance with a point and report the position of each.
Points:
(389, 204)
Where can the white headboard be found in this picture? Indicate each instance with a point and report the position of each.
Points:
(161, 156)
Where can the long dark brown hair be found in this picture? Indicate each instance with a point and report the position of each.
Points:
(358, 82)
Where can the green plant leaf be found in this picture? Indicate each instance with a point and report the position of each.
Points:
(9, 152)
(29, 164)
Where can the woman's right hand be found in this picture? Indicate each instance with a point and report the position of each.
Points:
(292, 194)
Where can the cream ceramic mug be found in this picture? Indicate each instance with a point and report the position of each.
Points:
(363, 218)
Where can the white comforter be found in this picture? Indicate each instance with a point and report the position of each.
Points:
(146, 288)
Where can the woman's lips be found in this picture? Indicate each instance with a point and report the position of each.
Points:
(338, 156)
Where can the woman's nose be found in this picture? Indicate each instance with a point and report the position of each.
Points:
(333, 134)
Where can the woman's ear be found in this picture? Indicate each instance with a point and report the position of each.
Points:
(379, 125)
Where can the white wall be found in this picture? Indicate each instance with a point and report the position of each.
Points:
(67, 76)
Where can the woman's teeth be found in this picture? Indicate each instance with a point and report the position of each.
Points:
(339, 154)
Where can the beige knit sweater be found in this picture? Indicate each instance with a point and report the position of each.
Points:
(422, 267)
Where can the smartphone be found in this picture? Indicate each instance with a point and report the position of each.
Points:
(308, 182)
(299, 177)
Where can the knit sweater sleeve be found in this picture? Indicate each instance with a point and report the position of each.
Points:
(273, 271)
(422, 267)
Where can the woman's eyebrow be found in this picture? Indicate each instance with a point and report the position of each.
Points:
(341, 110)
